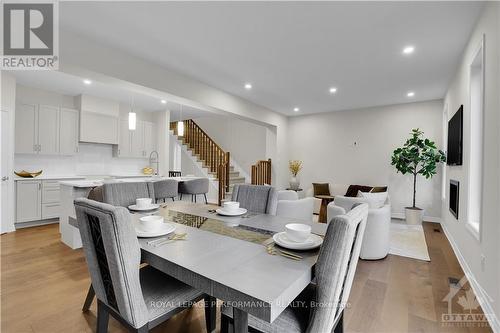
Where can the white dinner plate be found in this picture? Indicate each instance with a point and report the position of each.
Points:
(236, 212)
(150, 207)
(311, 243)
(165, 229)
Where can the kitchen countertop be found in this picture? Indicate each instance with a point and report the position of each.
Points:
(98, 182)
(47, 177)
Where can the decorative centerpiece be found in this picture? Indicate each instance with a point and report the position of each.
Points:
(418, 156)
(294, 167)
(27, 174)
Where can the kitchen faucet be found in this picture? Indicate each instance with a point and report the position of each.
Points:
(154, 159)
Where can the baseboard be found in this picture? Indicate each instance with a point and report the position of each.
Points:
(22, 225)
(484, 299)
(401, 216)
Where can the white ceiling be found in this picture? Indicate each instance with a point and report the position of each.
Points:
(70, 85)
(292, 52)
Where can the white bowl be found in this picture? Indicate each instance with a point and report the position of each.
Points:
(298, 232)
(143, 202)
(151, 222)
(231, 206)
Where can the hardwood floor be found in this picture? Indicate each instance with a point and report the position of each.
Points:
(44, 283)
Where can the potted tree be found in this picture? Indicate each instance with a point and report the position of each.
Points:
(418, 156)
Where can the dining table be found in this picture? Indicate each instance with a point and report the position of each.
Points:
(226, 257)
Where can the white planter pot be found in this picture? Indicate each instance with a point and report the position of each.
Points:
(414, 216)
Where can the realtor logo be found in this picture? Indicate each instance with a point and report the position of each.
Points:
(30, 36)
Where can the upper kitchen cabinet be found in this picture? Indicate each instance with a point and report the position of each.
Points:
(99, 120)
(26, 132)
(48, 129)
(45, 129)
(68, 120)
(149, 138)
(138, 143)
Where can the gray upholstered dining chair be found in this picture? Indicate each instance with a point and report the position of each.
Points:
(118, 194)
(256, 198)
(194, 187)
(124, 193)
(322, 302)
(139, 298)
(167, 188)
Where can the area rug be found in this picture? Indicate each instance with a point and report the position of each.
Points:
(408, 241)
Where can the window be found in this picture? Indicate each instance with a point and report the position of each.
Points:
(476, 90)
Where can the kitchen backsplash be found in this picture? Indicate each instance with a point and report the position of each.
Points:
(92, 159)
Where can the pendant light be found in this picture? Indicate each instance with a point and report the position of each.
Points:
(180, 124)
(132, 117)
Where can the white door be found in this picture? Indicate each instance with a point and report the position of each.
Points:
(26, 129)
(6, 172)
(48, 129)
(124, 139)
(149, 137)
(68, 131)
(28, 200)
(137, 140)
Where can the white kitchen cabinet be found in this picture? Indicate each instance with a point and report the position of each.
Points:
(45, 129)
(137, 140)
(48, 129)
(26, 129)
(37, 200)
(138, 143)
(68, 131)
(28, 201)
(123, 148)
(149, 138)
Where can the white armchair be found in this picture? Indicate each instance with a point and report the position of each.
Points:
(301, 209)
(376, 240)
(287, 195)
(335, 189)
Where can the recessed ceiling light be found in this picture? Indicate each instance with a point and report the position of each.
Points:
(333, 90)
(296, 109)
(163, 101)
(410, 94)
(409, 49)
(248, 86)
(87, 82)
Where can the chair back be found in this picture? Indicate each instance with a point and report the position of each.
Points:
(194, 186)
(287, 195)
(113, 257)
(167, 188)
(256, 198)
(124, 194)
(337, 261)
(301, 209)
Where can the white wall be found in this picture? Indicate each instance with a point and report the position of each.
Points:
(469, 250)
(245, 141)
(325, 143)
(92, 159)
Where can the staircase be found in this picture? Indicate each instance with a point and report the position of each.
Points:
(213, 158)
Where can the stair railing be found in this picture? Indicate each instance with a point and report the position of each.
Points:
(210, 153)
(261, 172)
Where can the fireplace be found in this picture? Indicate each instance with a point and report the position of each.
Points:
(454, 195)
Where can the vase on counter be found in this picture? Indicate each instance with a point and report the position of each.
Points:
(294, 183)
